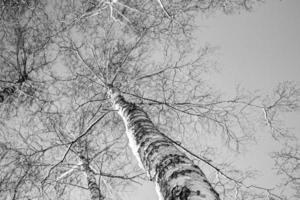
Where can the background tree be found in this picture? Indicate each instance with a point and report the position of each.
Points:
(26, 54)
(19, 172)
(91, 154)
(287, 164)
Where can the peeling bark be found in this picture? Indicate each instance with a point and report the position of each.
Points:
(175, 175)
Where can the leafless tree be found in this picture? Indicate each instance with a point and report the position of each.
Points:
(92, 155)
(171, 87)
(26, 52)
(287, 164)
(21, 169)
(142, 52)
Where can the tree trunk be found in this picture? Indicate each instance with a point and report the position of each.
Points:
(175, 175)
(91, 179)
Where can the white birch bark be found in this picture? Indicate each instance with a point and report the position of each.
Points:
(94, 188)
(175, 175)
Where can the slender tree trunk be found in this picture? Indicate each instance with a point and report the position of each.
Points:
(6, 92)
(175, 175)
(91, 179)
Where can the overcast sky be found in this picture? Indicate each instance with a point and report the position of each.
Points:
(256, 49)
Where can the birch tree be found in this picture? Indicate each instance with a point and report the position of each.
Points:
(287, 162)
(169, 85)
(21, 167)
(92, 183)
(91, 158)
(175, 175)
(26, 54)
(142, 50)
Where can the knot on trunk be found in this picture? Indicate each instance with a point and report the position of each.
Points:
(112, 91)
(9, 90)
(180, 193)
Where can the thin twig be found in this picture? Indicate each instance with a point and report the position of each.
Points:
(76, 49)
(71, 144)
(127, 55)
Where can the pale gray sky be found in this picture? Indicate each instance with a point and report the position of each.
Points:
(257, 49)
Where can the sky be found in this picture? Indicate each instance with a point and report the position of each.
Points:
(260, 45)
(257, 50)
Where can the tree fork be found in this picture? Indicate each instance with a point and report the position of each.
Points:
(175, 175)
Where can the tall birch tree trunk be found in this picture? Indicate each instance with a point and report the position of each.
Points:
(175, 175)
(91, 179)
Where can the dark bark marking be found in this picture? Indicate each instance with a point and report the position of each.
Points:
(154, 149)
(180, 193)
(175, 174)
(168, 161)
